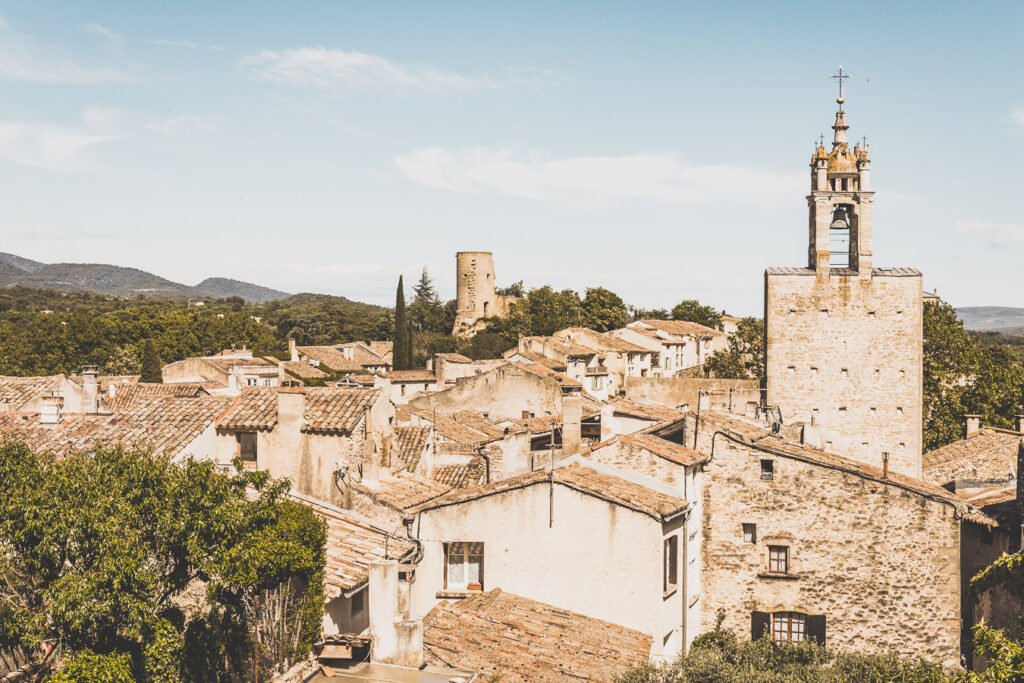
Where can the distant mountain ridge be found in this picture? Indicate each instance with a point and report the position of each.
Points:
(1000, 318)
(121, 281)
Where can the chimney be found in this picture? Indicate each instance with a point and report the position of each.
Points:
(704, 400)
(1018, 423)
(885, 465)
(397, 639)
(751, 410)
(112, 390)
(810, 435)
(51, 412)
(90, 389)
(973, 424)
(291, 404)
(292, 351)
(572, 416)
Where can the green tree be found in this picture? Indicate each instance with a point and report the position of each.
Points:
(515, 289)
(745, 356)
(95, 548)
(603, 310)
(693, 311)
(426, 310)
(151, 363)
(402, 342)
(549, 311)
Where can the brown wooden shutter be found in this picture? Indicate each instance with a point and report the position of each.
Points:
(816, 628)
(760, 625)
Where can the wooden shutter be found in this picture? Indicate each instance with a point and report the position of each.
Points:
(816, 628)
(760, 625)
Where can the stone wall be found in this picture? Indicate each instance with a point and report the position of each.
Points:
(879, 561)
(846, 352)
(729, 395)
(504, 392)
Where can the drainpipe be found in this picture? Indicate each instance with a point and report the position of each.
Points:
(487, 463)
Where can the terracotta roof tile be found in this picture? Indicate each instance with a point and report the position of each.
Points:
(518, 639)
(402, 490)
(586, 480)
(412, 376)
(598, 340)
(353, 542)
(330, 357)
(124, 397)
(460, 476)
(303, 370)
(453, 358)
(681, 327)
(255, 409)
(409, 444)
(988, 454)
(15, 392)
(660, 447)
(327, 409)
(646, 410)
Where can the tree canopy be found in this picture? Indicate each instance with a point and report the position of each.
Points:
(98, 550)
(745, 356)
(694, 311)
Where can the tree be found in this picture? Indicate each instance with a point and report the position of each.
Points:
(402, 342)
(693, 311)
(603, 310)
(745, 356)
(96, 547)
(426, 310)
(151, 363)
(515, 289)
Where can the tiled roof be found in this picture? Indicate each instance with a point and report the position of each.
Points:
(453, 358)
(989, 454)
(167, 425)
(303, 370)
(402, 490)
(761, 437)
(352, 544)
(848, 272)
(330, 357)
(603, 342)
(328, 410)
(660, 447)
(15, 392)
(563, 347)
(538, 359)
(647, 411)
(381, 348)
(409, 443)
(544, 371)
(412, 376)
(518, 639)
(126, 396)
(369, 353)
(460, 476)
(225, 364)
(605, 486)
(463, 427)
(680, 327)
(538, 425)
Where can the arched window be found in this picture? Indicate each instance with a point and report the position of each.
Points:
(839, 238)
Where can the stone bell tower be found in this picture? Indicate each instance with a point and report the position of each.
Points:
(844, 338)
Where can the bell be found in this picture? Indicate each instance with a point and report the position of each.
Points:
(839, 218)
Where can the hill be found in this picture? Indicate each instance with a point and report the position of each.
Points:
(991, 317)
(10, 271)
(20, 262)
(222, 287)
(102, 278)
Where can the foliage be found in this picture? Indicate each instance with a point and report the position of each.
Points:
(1005, 656)
(151, 363)
(515, 289)
(695, 312)
(636, 313)
(89, 667)
(97, 547)
(402, 340)
(543, 311)
(745, 356)
(962, 376)
(426, 310)
(603, 310)
(722, 659)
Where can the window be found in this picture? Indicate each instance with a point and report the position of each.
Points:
(844, 372)
(596, 382)
(750, 533)
(671, 562)
(250, 381)
(464, 566)
(357, 602)
(789, 627)
(402, 389)
(842, 412)
(767, 470)
(899, 410)
(778, 559)
(246, 447)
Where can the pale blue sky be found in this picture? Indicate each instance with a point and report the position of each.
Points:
(658, 149)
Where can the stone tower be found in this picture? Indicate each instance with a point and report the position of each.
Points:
(843, 338)
(475, 294)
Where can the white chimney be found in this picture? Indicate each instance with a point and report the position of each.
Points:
(51, 412)
(90, 389)
(397, 639)
(973, 423)
(1018, 423)
(572, 418)
(292, 350)
(112, 390)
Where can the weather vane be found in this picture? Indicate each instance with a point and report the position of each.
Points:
(840, 76)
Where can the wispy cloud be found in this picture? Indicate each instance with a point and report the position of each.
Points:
(996, 234)
(22, 58)
(1017, 116)
(101, 30)
(57, 148)
(164, 42)
(329, 69)
(596, 180)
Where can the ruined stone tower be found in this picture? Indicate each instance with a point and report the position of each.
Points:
(843, 338)
(475, 295)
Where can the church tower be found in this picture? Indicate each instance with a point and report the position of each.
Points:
(843, 338)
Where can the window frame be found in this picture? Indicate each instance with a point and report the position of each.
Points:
(777, 559)
(464, 550)
(795, 627)
(767, 469)
(670, 568)
(750, 537)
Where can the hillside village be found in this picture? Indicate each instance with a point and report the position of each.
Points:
(592, 500)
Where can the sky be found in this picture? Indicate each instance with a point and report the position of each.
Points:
(660, 150)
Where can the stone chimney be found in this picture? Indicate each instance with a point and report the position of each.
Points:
(572, 417)
(1018, 423)
(51, 412)
(810, 435)
(292, 351)
(291, 404)
(704, 400)
(90, 389)
(112, 390)
(397, 638)
(973, 424)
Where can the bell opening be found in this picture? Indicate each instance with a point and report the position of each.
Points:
(839, 238)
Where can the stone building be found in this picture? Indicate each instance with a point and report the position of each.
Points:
(475, 294)
(844, 338)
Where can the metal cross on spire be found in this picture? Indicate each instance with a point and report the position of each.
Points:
(821, 140)
(840, 76)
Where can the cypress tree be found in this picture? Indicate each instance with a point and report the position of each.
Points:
(151, 364)
(408, 347)
(400, 351)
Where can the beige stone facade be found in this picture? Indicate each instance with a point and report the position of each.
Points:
(475, 294)
(844, 339)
